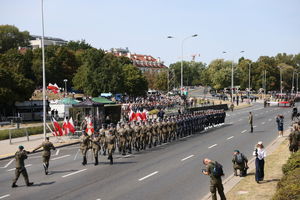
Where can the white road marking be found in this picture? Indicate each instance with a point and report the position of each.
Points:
(270, 120)
(263, 122)
(230, 137)
(60, 157)
(76, 154)
(187, 157)
(240, 120)
(148, 176)
(64, 176)
(212, 146)
(254, 126)
(57, 152)
(8, 164)
(15, 168)
(128, 155)
(4, 196)
(243, 131)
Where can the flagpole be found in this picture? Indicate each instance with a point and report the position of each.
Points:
(44, 74)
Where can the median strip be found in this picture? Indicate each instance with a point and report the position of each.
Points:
(73, 173)
(148, 176)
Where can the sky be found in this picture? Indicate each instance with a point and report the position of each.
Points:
(258, 27)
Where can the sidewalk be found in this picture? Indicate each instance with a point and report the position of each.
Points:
(8, 150)
(237, 188)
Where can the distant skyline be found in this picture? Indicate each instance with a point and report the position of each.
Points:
(257, 27)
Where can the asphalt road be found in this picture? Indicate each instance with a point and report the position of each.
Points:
(170, 172)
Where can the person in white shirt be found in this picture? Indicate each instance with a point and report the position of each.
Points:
(260, 154)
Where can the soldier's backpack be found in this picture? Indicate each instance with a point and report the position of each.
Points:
(239, 158)
(218, 170)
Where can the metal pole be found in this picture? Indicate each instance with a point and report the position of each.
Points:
(181, 73)
(280, 81)
(232, 81)
(249, 76)
(44, 74)
(293, 82)
(297, 83)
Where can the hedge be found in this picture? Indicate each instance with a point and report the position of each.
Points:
(288, 188)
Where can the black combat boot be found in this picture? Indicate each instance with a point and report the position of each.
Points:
(29, 184)
(96, 161)
(124, 153)
(111, 160)
(84, 161)
(14, 185)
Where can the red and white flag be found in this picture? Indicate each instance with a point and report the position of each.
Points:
(66, 126)
(144, 115)
(71, 125)
(132, 116)
(139, 116)
(57, 129)
(90, 127)
(54, 88)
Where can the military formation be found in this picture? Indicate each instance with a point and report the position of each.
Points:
(140, 135)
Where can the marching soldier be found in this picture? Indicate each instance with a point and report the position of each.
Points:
(20, 156)
(130, 133)
(96, 146)
(122, 132)
(154, 133)
(149, 138)
(164, 131)
(143, 135)
(47, 146)
(102, 138)
(111, 144)
(137, 134)
(84, 145)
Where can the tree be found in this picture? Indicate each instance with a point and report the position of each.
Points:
(78, 45)
(12, 38)
(135, 84)
(161, 81)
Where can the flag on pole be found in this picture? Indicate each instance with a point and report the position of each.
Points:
(132, 116)
(90, 127)
(54, 88)
(57, 127)
(139, 116)
(71, 125)
(66, 126)
(144, 115)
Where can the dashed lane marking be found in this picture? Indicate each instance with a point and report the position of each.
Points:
(230, 137)
(4, 196)
(254, 126)
(149, 175)
(263, 122)
(212, 146)
(57, 152)
(15, 168)
(82, 170)
(270, 120)
(187, 157)
(8, 163)
(60, 157)
(243, 131)
(76, 154)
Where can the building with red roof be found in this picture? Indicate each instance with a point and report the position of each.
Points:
(145, 63)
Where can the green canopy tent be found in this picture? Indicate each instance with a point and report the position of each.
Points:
(68, 101)
(102, 100)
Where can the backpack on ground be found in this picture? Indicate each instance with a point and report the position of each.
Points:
(218, 170)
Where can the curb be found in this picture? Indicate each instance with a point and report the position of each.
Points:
(60, 146)
(251, 164)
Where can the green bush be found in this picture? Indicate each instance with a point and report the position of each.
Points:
(292, 163)
(288, 187)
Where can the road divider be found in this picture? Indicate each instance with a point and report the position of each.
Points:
(149, 175)
(187, 158)
(73, 173)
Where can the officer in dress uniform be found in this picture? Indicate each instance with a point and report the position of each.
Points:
(47, 146)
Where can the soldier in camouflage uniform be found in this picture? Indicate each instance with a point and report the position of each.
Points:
(47, 146)
(96, 146)
(122, 132)
(102, 138)
(84, 146)
(149, 132)
(111, 144)
(20, 156)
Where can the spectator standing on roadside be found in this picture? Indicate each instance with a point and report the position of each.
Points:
(294, 139)
(279, 121)
(215, 171)
(251, 122)
(260, 154)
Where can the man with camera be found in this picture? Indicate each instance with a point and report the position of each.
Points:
(215, 171)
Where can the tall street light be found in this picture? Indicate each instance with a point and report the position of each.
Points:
(280, 70)
(65, 80)
(232, 75)
(44, 74)
(181, 73)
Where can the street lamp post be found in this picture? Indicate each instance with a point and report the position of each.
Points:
(280, 69)
(293, 79)
(297, 84)
(44, 73)
(65, 80)
(181, 70)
